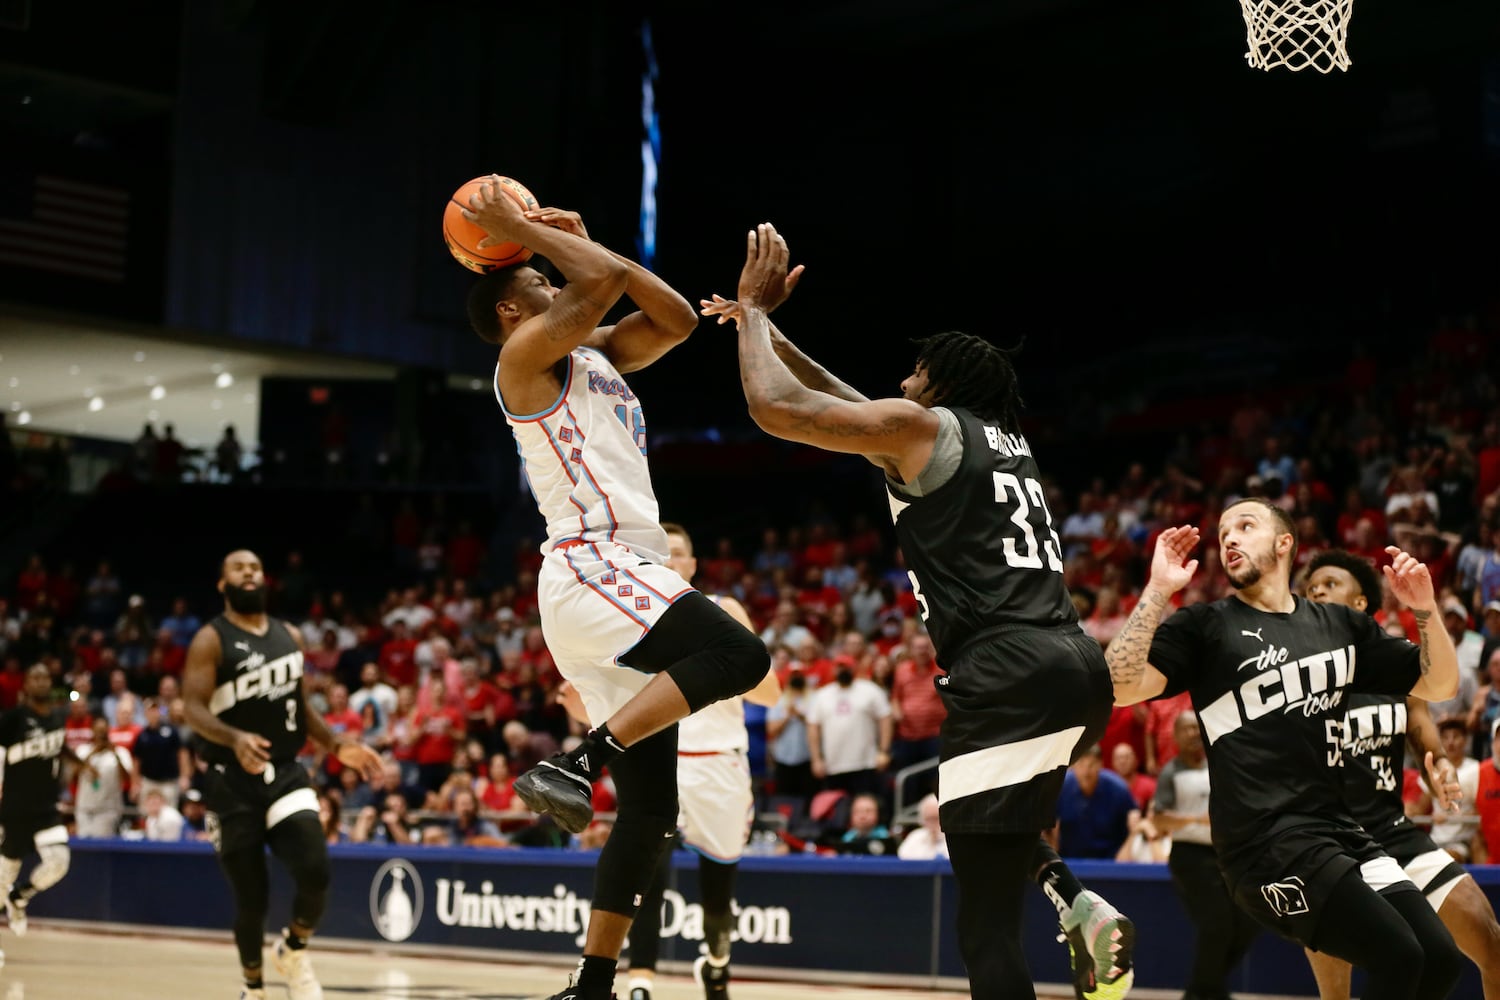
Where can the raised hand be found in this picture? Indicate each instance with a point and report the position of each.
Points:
(497, 213)
(362, 758)
(559, 218)
(1443, 780)
(1171, 569)
(1409, 579)
(763, 279)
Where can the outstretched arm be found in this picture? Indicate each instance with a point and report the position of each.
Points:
(1422, 734)
(899, 433)
(807, 371)
(1412, 584)
(1135, 679)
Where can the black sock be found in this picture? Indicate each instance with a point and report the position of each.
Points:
(596, 976)
(296, 942)
(1060, 885)
(22, 892)
(598, 748)
(255, 984)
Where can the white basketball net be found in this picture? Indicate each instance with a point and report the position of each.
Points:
(1297, 34)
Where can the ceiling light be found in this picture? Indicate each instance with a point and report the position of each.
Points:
(476, 384)
(23, 418)
(158, 392)
(96, 404)
(224, 381)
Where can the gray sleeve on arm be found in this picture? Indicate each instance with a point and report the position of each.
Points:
(947, 452)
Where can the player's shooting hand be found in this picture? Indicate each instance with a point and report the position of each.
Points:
(252, 751)
(763, 278)
(1443, 779)
(497, 213)
(559, 218)
(1409, 579)
(1171, 569)
(360, 757)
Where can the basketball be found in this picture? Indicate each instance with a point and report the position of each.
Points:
(463, 236)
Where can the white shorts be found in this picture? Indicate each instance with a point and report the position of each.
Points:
(714, 802)
(596, 602)
(1436, 874)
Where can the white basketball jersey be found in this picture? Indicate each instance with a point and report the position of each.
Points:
(585, 460)
(715, 728)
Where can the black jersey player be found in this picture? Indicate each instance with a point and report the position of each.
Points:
(1270, 674)
(32, 736)
(1026, 689)
(243, 689)
(1376, 730)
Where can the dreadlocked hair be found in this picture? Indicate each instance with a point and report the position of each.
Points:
(970, 372)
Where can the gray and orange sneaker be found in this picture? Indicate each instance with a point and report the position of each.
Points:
(1101, 945)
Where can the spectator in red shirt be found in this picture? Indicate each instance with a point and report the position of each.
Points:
(125, 728)
(12, 679)
(811, 661)
(31, 583)
(495, 788)
(166, 657)
(818, 551)
(1161, 722)
(78, 727)
(486, 707)
(1127, 724)
(1127, 765)
(440, 730)
(724, 568)
(398, 656)
(918, 712)
(534, 653)
(465, 552)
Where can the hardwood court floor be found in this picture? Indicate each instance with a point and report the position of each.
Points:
(66, 964)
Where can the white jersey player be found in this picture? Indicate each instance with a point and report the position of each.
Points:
(642, 647)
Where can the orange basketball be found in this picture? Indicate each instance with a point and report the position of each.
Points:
(463, 236)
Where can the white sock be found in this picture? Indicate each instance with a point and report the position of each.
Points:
(717, 963)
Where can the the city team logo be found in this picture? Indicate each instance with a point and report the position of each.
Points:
(1285, 898)
(396, 900)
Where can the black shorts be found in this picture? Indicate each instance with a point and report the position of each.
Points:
(22, 832)
(243, 807)
(1023, 703)
(1286, 883)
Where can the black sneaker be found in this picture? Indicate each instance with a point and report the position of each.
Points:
(558, 787)
(572, 993)
(713, 978)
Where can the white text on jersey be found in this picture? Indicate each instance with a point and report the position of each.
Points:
(272, 681)
(1313, 683)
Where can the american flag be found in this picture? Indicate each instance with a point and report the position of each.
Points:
(74, 227)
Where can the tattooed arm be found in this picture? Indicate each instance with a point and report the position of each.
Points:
(1136, 680)
(896, 433)
(1412, 585)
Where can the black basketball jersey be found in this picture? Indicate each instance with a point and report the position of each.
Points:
(981, 549)
(33, 745)
(1375, 760)
(1271, 691)
(258, 688)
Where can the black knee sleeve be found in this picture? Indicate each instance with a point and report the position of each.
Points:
(628, 861)
(298, 843)
(708, 654)
(716, 883)
(246, 871)
(645, 930)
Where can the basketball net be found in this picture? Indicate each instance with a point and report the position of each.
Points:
(1297, 34)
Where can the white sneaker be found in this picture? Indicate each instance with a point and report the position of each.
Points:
(296, 966)
(15, 912)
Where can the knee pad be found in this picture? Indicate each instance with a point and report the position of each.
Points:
(627, 863)
(708, 654)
